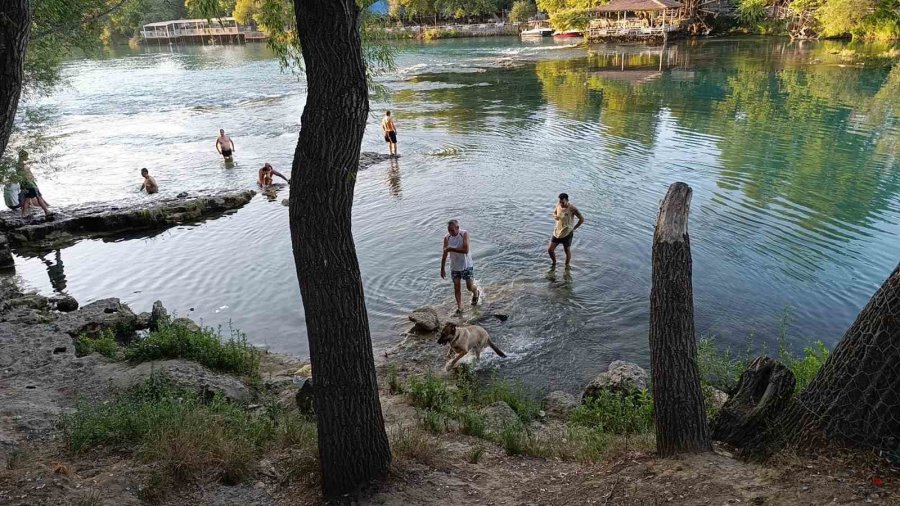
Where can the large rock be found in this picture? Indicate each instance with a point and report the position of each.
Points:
(105, 315)
(187, 324)
(621, 378)
(499, 415)
(65, 303)
(158, 316)
(6, 259)
(559, 403)
(111, 218)
(184, 373)
(425, 319)
(304, 397)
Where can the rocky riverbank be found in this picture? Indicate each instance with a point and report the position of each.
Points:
(452, 440)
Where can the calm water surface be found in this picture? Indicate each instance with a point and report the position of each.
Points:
(792, 156)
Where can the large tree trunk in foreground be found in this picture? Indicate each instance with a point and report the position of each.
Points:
(681, 425)
(855, 397)
(353, 445)
(15, 30)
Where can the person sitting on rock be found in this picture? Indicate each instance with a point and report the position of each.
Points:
(30, 193)
(149, 185)
(266, 173)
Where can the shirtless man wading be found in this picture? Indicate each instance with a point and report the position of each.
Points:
(564, 214)
(456, 246)
(224, 145)
(390, 133)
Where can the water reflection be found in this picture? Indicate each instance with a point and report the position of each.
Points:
(55, 271)
(393, 178)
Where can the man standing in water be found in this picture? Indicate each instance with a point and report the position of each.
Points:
(456, 246)
(224, 145)
(564, 214)
(149, 185)
(390, 133)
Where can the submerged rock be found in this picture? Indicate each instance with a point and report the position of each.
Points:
(621, 377)
(425, 319)
(559, 403)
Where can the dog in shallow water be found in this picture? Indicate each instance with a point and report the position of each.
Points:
(462, 340)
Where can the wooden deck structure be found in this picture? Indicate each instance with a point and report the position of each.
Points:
(636, 20)
(201, 31)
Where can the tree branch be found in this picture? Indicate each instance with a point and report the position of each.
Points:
(87, 21)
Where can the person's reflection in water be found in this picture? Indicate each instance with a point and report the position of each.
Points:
(56, 272)
(394, 178)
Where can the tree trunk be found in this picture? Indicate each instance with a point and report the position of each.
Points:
(855, 397)
(353, 445)
(763, 392)
(15, 30)
(679, 413)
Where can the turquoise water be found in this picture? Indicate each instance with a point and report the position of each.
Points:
(791, 149)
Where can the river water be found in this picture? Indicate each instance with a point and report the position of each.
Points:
(791, 152)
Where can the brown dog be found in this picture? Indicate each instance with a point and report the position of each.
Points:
(462, 340)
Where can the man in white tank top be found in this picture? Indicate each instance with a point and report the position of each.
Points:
(456, 246)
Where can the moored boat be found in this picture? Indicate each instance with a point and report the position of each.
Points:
(570, 34)
(536, 33)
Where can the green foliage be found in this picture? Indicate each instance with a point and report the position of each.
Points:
(721, 368)
(125, 23)
(207, 347)
(429, 393)
(806, 366)
(613, 413)
(752, 12)
(395, 386)
(104, 344)
(514, 438)
(183, 436)
(474, 455)
(410, 443)
(569, 14)
(522, 10)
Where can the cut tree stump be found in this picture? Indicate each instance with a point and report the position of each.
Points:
(763, 392)
(679, 413)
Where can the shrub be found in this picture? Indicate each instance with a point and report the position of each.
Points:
(433, 421)
(513, 394)
(806, 366)
(721, 369)
(183, 435)
(428, 392)
(395, 386)
(475, 454)
(471, 422)
(104, 344)
(207, 347)
(513, 437)
(616, 414)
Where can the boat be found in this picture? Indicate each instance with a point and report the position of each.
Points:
(571, 34)
(536, 33)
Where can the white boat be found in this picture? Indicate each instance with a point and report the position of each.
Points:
(536, 33)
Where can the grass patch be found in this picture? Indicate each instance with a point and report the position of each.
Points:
(207, 347)
(475, 454)
(616, 414)
(184, 436)
(412, 444)
(104, 344)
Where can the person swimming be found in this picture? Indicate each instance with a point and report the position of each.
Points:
(264, 178)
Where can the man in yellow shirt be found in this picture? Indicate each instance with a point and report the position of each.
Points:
(564, 214)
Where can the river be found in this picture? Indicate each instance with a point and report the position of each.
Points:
(791, 151)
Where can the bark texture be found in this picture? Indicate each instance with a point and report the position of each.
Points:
(855, 397)
(681, 425)
(353, 445)
(763, 391)
(15, 30)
